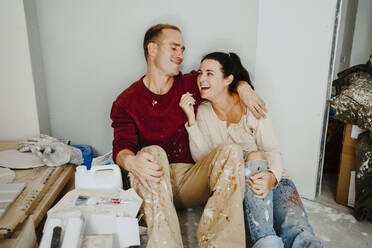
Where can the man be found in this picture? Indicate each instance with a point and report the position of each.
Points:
(151, 143)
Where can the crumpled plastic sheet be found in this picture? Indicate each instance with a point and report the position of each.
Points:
(52, 151)
(353, 104)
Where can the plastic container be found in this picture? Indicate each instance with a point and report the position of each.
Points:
(87, 152)
(98, 177)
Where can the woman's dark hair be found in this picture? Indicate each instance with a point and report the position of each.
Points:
(230, 65)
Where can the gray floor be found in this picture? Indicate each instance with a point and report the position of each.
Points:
(334, 224)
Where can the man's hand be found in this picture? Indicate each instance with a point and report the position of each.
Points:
(261, 183)
(187, 104)
(142, 166)
(251, 100)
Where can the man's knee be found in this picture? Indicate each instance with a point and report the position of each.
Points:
(256, 155)
(155, 151)
(159, 155)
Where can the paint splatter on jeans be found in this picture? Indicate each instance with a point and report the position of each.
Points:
(290, 218)
(259, 212)
(279, 214)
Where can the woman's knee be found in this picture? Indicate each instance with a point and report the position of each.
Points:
(256, 155)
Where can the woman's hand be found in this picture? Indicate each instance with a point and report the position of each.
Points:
(261, 183)
(251, 100)
(187, 104)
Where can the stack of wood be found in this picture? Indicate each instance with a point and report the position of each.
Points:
(42, 186)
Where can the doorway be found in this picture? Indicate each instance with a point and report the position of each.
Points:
(351, 46)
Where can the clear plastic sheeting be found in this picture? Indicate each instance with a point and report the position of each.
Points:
(51, 151)
(353, 102)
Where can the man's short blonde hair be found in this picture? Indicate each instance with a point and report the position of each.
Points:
(153, 32)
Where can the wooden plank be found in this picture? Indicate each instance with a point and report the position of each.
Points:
(347, 164)
(47, 183)
(70, 185)
(38, 181)
(43, 184)
(26, 237)
(49, 198)
(8, 145)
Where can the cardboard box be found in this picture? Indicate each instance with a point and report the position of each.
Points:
(347, 164)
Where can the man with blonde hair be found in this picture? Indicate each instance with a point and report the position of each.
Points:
(151, 143)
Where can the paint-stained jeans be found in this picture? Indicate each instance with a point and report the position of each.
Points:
(280, 213)
(290, 218)
(259, 212)
(217, 180)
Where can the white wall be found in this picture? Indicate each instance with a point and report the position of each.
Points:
(292, 66)
(37, 65)
(92, 50)
(18, 111)
(362, 41)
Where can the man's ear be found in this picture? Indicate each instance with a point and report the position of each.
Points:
(152, 49)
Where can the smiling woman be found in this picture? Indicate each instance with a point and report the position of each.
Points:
(271, 200)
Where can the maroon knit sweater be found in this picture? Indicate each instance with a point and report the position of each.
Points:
(141, 118)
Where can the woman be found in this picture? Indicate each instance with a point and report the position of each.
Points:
(273, 209)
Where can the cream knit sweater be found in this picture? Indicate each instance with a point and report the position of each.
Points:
(251, 134)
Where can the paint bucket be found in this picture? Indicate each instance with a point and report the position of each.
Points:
(98, 177)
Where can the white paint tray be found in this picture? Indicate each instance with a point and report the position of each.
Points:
(14, 159)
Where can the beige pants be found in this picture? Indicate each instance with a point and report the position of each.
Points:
(217, 180)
